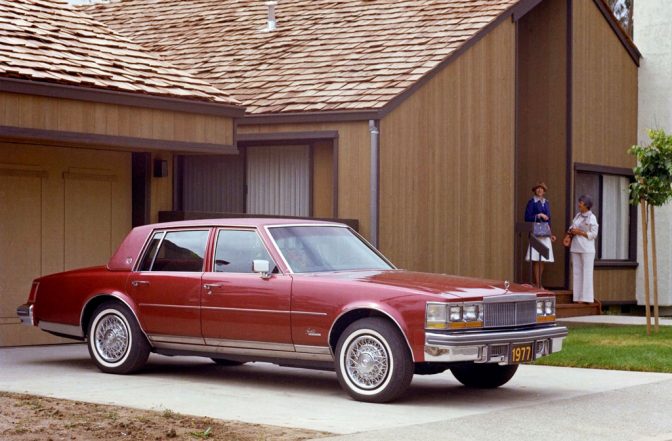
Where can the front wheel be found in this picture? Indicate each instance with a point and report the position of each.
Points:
(484, 376)
(116, 343)
(373, 362)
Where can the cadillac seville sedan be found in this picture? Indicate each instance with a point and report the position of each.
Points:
(295, 293)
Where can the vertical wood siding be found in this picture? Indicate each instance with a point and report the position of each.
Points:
(106, 119)
(447, 164)
(354, 159)
(604, 120)
(542, 128)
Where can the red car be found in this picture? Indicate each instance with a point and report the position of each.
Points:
(299, 293)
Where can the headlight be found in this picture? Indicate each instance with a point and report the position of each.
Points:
(470, 313)
(436, 315)
(455, 314)
(546, 310)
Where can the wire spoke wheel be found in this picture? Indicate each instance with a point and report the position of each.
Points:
(367, 362)
(111, 338)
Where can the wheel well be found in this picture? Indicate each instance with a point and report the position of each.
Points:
(352, 316)
(91, 306)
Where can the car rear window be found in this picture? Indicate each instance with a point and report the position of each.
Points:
(176, 251)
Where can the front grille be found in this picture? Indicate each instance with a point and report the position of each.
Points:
(499, 350)
(500, 314)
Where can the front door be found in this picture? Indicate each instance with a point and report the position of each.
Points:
(239, 308)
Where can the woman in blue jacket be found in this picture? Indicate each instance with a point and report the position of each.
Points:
(539, 210)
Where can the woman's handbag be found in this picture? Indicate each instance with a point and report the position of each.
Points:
(567, 240)
(541, 229)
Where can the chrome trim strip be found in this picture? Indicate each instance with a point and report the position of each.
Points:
(60, 328)
(249, 344)
(246, 352)
(374, 309)
(25, 314)
(154, 338)
(321, 314)
(219, 308)
(510, 298)
(161, 305)
(488, 338)
(325, 350)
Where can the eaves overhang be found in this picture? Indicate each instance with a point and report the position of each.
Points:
(55, 90)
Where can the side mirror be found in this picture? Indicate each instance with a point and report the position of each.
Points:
(262, 267)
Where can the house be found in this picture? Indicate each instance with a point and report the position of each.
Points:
(427, 122)
(85, 114)
(653, 37)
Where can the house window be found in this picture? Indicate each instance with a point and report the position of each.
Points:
(617, 218)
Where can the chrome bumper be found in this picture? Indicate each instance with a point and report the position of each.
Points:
(25, 313)
(491, 347)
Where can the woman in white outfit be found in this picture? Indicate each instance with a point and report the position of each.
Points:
(583, 232)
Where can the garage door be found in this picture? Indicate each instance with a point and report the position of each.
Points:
(61, 208)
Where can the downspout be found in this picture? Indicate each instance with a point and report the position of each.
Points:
(375, 170)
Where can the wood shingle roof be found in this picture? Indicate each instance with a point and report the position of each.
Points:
(326, 55)
(49, 41)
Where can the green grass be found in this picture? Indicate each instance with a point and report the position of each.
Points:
(626, 348)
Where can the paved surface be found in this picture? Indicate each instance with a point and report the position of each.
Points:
(616, 320)
(540, 402)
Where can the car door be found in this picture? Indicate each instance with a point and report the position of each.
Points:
(240, 308)
(167, 285)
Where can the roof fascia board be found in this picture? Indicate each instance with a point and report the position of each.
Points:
(54, 90)
(307, 117)
(626, 41)
(523, 7)
(66, 138)
(287, 136)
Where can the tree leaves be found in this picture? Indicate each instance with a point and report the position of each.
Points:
(653, 172)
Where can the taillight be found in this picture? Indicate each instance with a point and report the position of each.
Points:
(33, 292)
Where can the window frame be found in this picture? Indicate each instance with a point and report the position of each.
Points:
(164, 232)
(600, 171)
(215, 242)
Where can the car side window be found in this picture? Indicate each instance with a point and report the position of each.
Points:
(177, 251)
(236, 249)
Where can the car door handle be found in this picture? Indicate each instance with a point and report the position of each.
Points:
(210, 286)
(137, 283)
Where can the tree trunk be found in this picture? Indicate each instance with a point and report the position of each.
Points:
(645, 246)
(654, 264)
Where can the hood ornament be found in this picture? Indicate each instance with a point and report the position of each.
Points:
(507, 285)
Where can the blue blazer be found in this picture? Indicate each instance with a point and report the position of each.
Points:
(534, 208)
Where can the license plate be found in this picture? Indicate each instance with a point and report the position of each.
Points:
(521, 353)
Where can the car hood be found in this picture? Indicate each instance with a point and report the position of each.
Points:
(442, 285)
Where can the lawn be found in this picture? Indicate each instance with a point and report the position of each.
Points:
(626, 348)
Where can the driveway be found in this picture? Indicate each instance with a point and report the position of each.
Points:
(539, 403)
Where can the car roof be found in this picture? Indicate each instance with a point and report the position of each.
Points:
(129, 250)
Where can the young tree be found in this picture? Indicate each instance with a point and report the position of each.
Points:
(652, 188)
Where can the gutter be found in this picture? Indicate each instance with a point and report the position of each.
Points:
(374, 130)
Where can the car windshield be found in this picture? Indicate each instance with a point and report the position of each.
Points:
(310, 249)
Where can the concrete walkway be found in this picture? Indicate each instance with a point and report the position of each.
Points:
(540, 402)
(616, 320)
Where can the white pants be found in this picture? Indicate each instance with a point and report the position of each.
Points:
(582, 270)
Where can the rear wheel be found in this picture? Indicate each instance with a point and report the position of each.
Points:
(115, 341)
(373, 362)
(484, 376)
